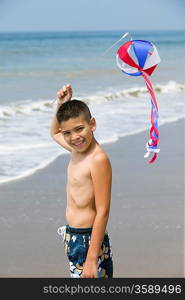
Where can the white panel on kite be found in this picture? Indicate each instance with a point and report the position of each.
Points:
(124, 67)
(152, 60)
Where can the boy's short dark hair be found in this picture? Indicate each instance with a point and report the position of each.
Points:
(73, 109)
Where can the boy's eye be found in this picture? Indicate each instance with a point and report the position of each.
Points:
(79, 128)
(66, 133)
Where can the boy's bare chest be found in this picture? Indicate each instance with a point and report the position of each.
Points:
(78, 173)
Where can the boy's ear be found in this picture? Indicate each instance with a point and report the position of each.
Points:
(93, 124)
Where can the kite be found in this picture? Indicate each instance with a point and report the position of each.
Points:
(140, 58)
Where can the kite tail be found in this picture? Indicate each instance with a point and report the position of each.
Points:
(151, 145)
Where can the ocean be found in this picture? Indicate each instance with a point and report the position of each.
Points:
(33, 66)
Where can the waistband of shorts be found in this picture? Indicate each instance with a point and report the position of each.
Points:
(78, 230)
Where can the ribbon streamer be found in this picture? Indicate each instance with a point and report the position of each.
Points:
(151, 146)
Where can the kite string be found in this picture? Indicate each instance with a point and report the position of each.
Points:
(123, 36)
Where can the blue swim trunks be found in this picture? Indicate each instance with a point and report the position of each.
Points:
(76, 245)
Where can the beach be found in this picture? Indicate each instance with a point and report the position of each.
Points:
(146, 223)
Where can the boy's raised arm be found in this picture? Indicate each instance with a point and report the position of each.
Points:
(63, 96)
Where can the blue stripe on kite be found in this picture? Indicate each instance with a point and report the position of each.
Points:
(141, 49)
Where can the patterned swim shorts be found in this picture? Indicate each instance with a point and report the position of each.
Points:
(76, 245)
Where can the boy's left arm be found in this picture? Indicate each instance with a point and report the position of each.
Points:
(101, 173)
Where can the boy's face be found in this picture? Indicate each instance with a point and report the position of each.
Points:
(78, 132)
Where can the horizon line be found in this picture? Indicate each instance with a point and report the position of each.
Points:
(83, 30)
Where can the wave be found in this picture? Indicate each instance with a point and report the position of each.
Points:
(29, 107)
(31, 171)
(170, 87)
(6, 149)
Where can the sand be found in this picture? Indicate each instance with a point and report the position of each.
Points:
(146, 222)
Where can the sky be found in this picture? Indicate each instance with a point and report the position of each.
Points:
(66, 15)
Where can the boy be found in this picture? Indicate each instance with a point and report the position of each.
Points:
(88, 189)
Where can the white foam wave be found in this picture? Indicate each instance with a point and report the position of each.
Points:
(32, 170)
(112, 139)
(30, 107)
(27, 108)
(12, 148)
(170, 87)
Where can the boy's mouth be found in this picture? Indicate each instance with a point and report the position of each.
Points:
(79, 145)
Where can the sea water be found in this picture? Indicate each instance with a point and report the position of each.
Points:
(33, 66)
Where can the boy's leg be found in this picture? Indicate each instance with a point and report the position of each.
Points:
(76, 244)
(105, 261)
(66, 237)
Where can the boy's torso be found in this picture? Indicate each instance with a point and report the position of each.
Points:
(81, 210)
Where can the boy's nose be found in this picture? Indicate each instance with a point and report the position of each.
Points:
(74, 136)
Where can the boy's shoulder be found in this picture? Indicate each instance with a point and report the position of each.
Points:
(100, 165)
(100, 156)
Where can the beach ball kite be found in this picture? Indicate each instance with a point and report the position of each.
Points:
(140, 58)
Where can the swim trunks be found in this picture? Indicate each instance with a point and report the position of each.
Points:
(76, 245)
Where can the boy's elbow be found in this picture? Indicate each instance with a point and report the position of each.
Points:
(51, 131)
(52, 135)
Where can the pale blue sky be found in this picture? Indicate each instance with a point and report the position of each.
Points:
(59, 15)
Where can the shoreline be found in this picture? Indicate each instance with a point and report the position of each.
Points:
(146, 222)
(45, 165)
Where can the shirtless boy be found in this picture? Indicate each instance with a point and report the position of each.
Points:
(86, 240)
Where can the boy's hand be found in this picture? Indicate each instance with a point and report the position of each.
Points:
(64, 94)
(90, 269)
